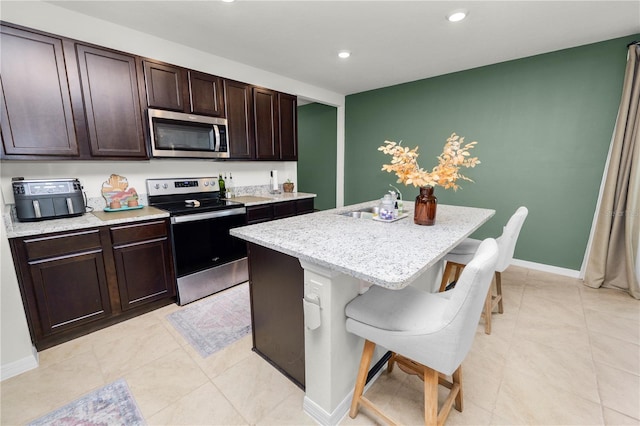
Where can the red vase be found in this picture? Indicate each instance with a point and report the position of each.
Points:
(425, 209)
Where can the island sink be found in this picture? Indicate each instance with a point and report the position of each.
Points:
(366, 213)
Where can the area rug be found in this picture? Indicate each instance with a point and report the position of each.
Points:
(215, 322)
(110, 405)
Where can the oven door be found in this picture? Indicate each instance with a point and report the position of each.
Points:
(207, 258)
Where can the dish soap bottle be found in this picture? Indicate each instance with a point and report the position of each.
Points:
(230, 187)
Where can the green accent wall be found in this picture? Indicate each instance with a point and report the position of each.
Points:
(543, 126)
(317, 133)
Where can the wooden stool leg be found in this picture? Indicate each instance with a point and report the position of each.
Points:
(445, 276)
(367, 354)
(487, 312)
(499, 290)
(459, 269)
(457, 379)
(430, 396)
(391, 362)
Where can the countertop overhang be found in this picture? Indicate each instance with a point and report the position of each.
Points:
(391, 255)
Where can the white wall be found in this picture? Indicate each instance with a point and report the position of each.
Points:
(15, 347)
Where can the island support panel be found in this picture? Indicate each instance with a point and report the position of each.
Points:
(276, 286)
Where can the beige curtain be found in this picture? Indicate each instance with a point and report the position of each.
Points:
(614, 251)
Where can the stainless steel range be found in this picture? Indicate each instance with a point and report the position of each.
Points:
(207, 259)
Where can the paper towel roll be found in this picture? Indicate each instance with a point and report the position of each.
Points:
(274, 180)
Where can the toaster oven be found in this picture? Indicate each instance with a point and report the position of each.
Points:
(47, 199)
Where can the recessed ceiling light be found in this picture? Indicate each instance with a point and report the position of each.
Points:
(228, 1)
(457, 16)
(344, 54)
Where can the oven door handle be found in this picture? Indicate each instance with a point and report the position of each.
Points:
(208, 215)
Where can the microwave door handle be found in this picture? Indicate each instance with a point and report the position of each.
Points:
(36, 208)
(70, 206)
(216, 148)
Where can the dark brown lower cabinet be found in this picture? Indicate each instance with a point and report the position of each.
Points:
(67, 280)
(279, 210)
(276, 283)
(141, 255)
(76, 282)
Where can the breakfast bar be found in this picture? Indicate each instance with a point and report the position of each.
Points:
(341, 256)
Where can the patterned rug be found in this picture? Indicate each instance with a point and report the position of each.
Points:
(215, 322)
(110, 405)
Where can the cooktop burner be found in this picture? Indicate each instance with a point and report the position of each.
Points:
(182, 196)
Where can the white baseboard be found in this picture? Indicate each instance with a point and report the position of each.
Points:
(20, 366)
(546, 268)
(320, 416)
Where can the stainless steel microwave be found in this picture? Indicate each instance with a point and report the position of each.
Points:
(180, 135)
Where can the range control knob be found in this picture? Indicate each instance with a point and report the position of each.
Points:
(206, 183)
(165, 185)
(156, 186)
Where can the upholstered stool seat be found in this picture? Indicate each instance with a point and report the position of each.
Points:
(427, 333)
(464, 252)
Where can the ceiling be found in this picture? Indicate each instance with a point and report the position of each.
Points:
(391, 42)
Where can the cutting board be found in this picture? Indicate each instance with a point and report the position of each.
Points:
(126, 214)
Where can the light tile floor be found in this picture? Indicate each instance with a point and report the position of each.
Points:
(561, 353)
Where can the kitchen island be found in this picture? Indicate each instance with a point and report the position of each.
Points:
(340, 256)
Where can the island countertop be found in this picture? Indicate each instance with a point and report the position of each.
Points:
(389, 254)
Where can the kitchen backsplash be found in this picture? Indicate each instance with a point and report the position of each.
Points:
(247, 176)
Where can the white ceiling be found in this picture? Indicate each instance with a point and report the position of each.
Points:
(391, 42)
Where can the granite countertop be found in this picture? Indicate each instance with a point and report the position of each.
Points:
(267, 198)
(389, 254)
(99, 217)
(88, 220)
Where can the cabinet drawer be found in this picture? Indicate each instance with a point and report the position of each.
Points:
(285, 209)
(257, 214)
(138, 232)
(60, 245)
(304, 206)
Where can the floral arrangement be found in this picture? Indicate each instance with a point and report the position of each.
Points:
(455, 155)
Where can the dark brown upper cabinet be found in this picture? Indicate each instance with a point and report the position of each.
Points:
(206, 94)
(37, 116)
(288, 126)
(239, 119)
(166, 86)
(265, 111)
(112, 102)
(65, 100)
(275, 119)
(179, 89)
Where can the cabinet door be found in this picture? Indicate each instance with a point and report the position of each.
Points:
(112, 103)
(166, 86)
(36, 112)
(66, 284)
(265, 117)
(239, 119)
(206, 94)
(287, 105)
(143, 263)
